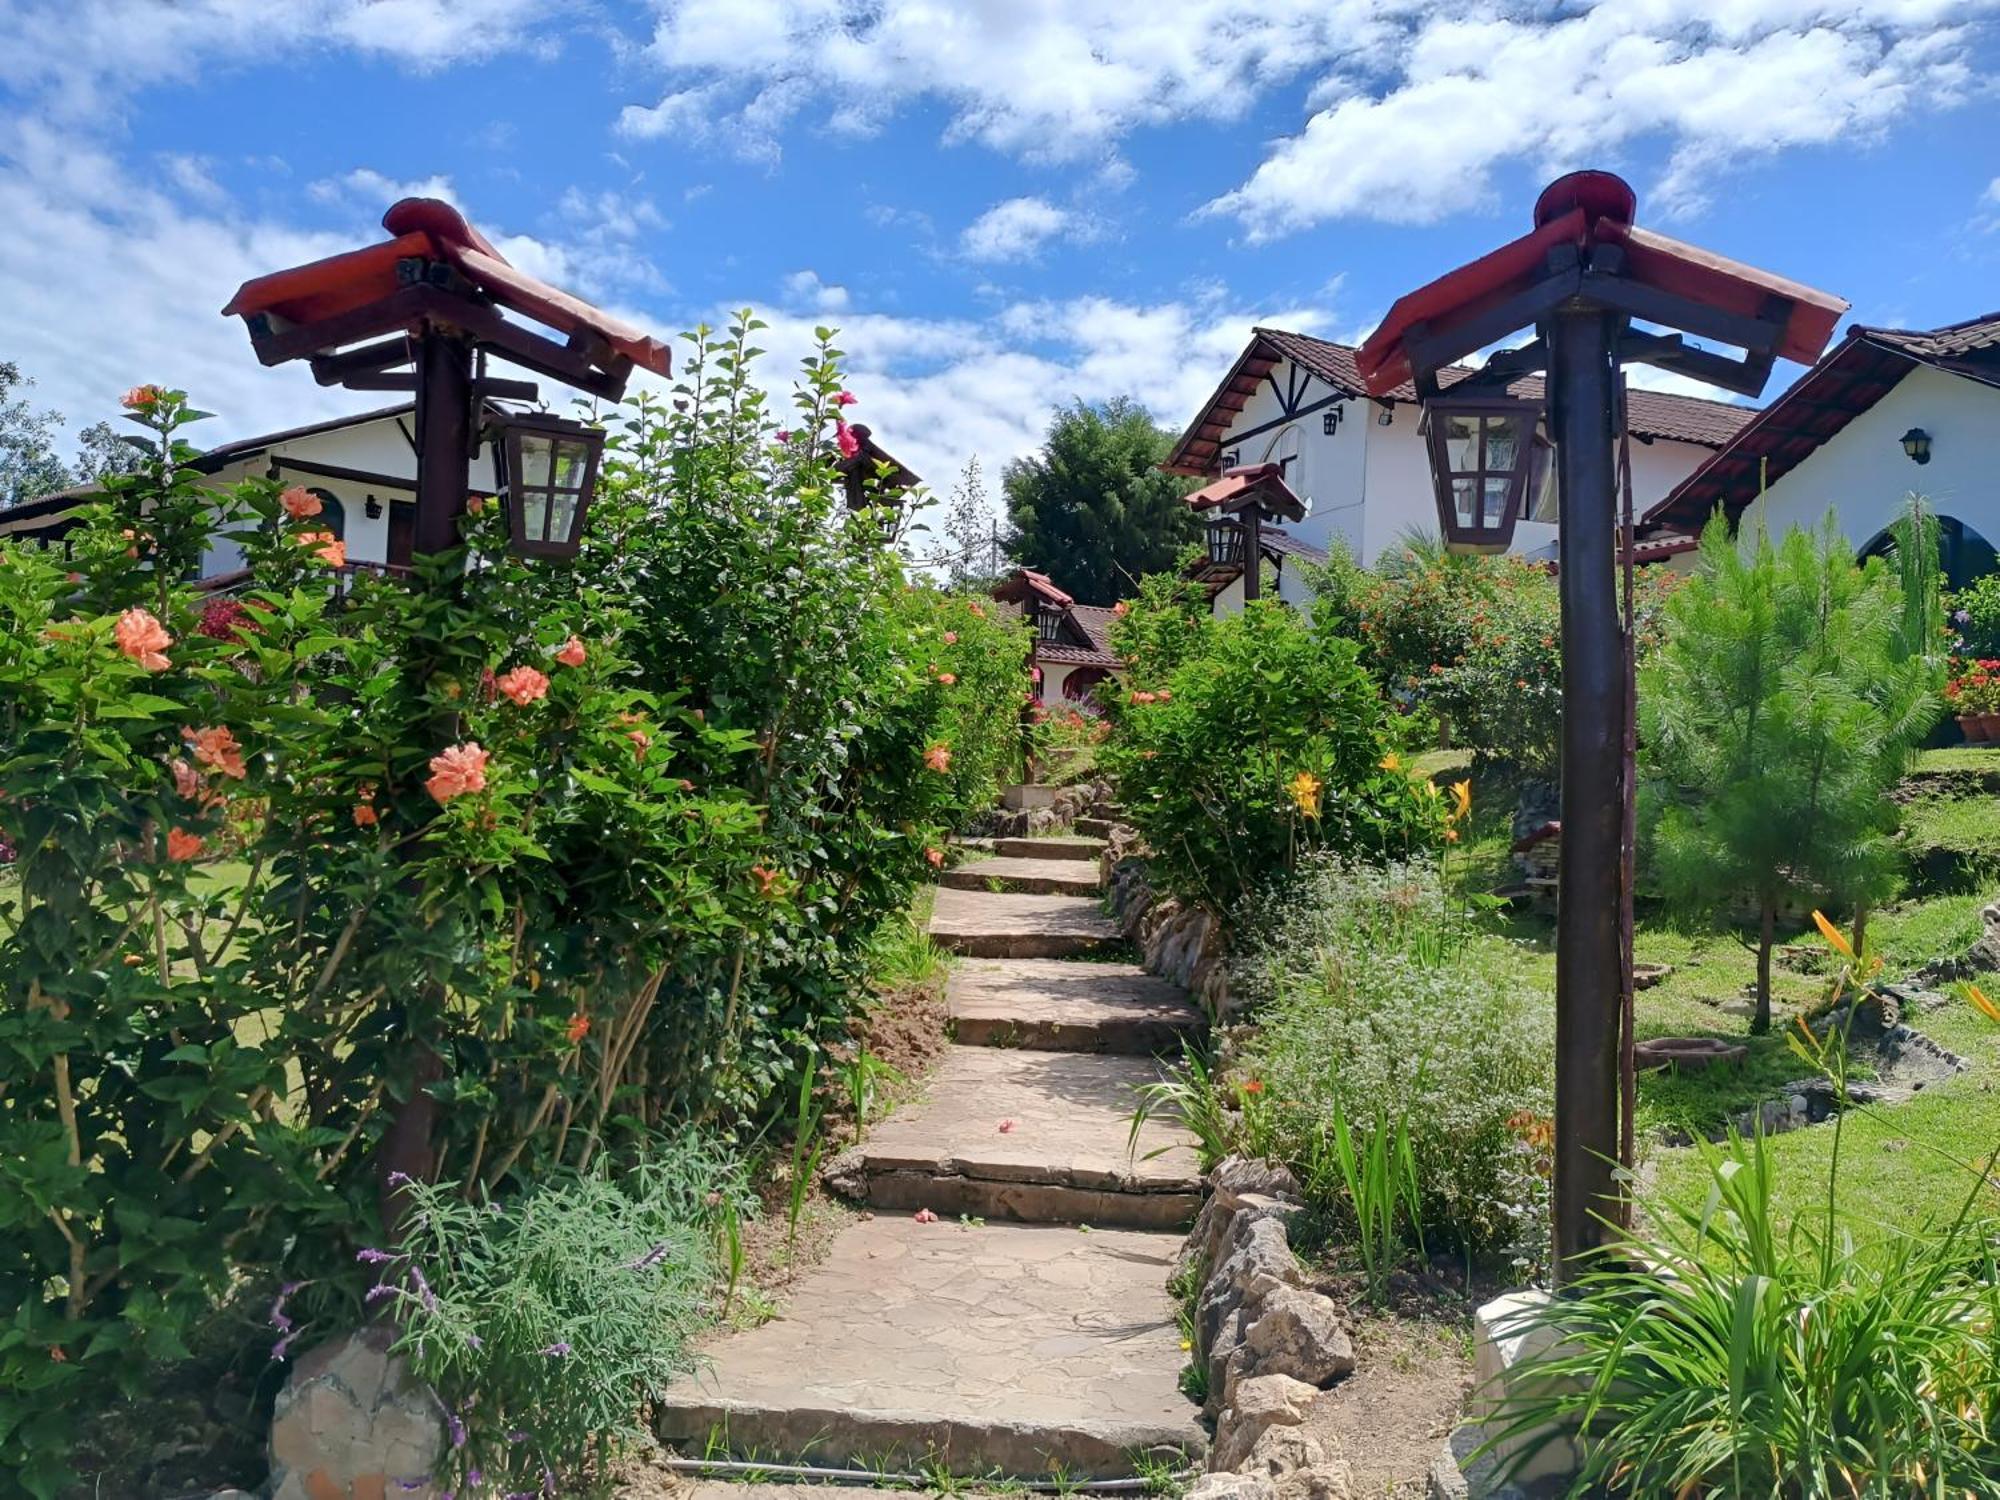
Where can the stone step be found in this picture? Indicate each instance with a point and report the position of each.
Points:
(1053, 846)
(1024, 1351)
(1093, 828)
(1026, 877)
(987, 924)
(1063, 1157)
(1047, 1004)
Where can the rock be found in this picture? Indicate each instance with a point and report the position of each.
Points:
(1231, 1487)
(1255, 1258)
(1235, 1184)
(1298, 1465)
(1260, 1404)
(353, 1423)
(1295, 1333)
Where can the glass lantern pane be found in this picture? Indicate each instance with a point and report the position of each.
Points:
(1503, 444)
(562, 515)
(568, 465)
(537, 456)
(1496, 500)
(1461, 443)
(534, 515)
(1464, 497)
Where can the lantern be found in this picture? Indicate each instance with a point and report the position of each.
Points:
(1482, 448)
(548, 473)
(1917, 445)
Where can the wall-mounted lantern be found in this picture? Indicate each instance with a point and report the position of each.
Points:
(548, 474)
(1481, 449)
(1917, 445)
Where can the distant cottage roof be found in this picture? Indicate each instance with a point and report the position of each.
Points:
(1863, 368)
(1650, 414)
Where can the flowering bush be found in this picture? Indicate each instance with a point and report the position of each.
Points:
(1974, 686)
(1477, 641)
(1247, 743)
(495, 870)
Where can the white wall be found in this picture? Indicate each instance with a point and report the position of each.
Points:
(1369, 484)
(377, 447)
(1864, 475)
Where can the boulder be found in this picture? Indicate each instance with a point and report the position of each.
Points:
(1298, 1465)
(1260, 1404)
(1295, 1333)
(353, 1423)
(1231, 1487)
(1236, 1183)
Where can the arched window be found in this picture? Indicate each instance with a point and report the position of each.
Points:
(1963, 554)
(333, 515)
(1283, 450)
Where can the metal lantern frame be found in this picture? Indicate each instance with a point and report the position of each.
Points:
(1916, 445)
(534, 508)
(1487, 524)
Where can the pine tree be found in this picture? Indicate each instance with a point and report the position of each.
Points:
(970, 558)
(1779, 712)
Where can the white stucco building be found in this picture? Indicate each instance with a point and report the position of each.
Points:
(1887, 413)
(1360, 465)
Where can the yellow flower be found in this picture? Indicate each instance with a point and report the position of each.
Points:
(1461, 800)
(1834, 938)
(1305, 789)
(1986, 1007)
(1392, 762)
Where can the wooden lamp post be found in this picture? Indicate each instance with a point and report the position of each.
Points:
(1580, 279)
(422, 312)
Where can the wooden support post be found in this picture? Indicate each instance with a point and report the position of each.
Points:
(1583, 391)
(444, 437)
(1253, 554)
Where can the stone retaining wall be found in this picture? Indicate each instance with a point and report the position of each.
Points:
(1083, 799)
(1184, 943)
(1268, 1343)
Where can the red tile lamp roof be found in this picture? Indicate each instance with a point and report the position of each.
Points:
(1026, 583)
(1261, 485)
(430, 229)
(1588, 210)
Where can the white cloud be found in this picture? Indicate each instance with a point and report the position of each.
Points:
(365, 190)
(805, 289)
(1722, 83)
(76, 54)
(1414, 103)
(1014, 229)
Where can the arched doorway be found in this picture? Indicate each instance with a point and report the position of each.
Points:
(1963, 554)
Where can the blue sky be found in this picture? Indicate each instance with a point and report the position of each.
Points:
(1001, 205)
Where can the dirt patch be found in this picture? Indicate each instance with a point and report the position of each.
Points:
(1413, 1370)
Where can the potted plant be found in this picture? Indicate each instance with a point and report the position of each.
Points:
(1974, 696)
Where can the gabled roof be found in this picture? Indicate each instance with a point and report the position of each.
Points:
(1649, 414)
(1096, 622)
(1863, 368)
(1259, 485)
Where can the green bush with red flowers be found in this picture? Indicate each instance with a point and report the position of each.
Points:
(528, 861)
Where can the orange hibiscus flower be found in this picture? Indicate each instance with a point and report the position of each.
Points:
(143, 638)
(523, 685)
(459, 770)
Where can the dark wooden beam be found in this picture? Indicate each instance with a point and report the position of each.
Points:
(276, 342)
(382, 380)
(368, 477)
(1431, 347)
(338, 369)
(1753, 335)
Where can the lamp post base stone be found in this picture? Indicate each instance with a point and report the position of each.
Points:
(1510, 1334)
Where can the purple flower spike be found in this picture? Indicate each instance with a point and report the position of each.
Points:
(457, 1430)
(517, 1436)
(378, 1292)
(475, 1476)
(424, 1291)
(374, 1257)
(283, 1347)
(650, 1259)
(404, 1179)
(474, 1341)
(556, 1351)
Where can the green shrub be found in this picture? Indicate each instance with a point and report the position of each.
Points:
(1247, 743)
(1750, 1359)
(546, 1323)
(1975, 617)
(1368, 987)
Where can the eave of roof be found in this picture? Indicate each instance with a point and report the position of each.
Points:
(1649, 414)
(1864, 367)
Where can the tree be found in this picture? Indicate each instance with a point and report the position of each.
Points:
(30, 466)
(29, 463)
(1092, 510)
(970, 558)
(1780, 710)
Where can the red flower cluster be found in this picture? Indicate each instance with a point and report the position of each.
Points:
(1975, 686)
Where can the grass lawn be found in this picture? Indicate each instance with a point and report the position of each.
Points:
(1888, 1176)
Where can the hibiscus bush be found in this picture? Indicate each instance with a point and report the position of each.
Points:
(488, 872)
(1244, 744)
(1475, 641)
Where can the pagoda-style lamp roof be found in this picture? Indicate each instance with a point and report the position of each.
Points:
(1261, 486)
(1585, 247)
(437, 270)
(1025, 585)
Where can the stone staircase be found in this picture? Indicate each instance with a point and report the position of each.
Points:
(1025, 1331)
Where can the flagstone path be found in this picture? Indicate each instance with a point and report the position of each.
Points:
(1026, 1330)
